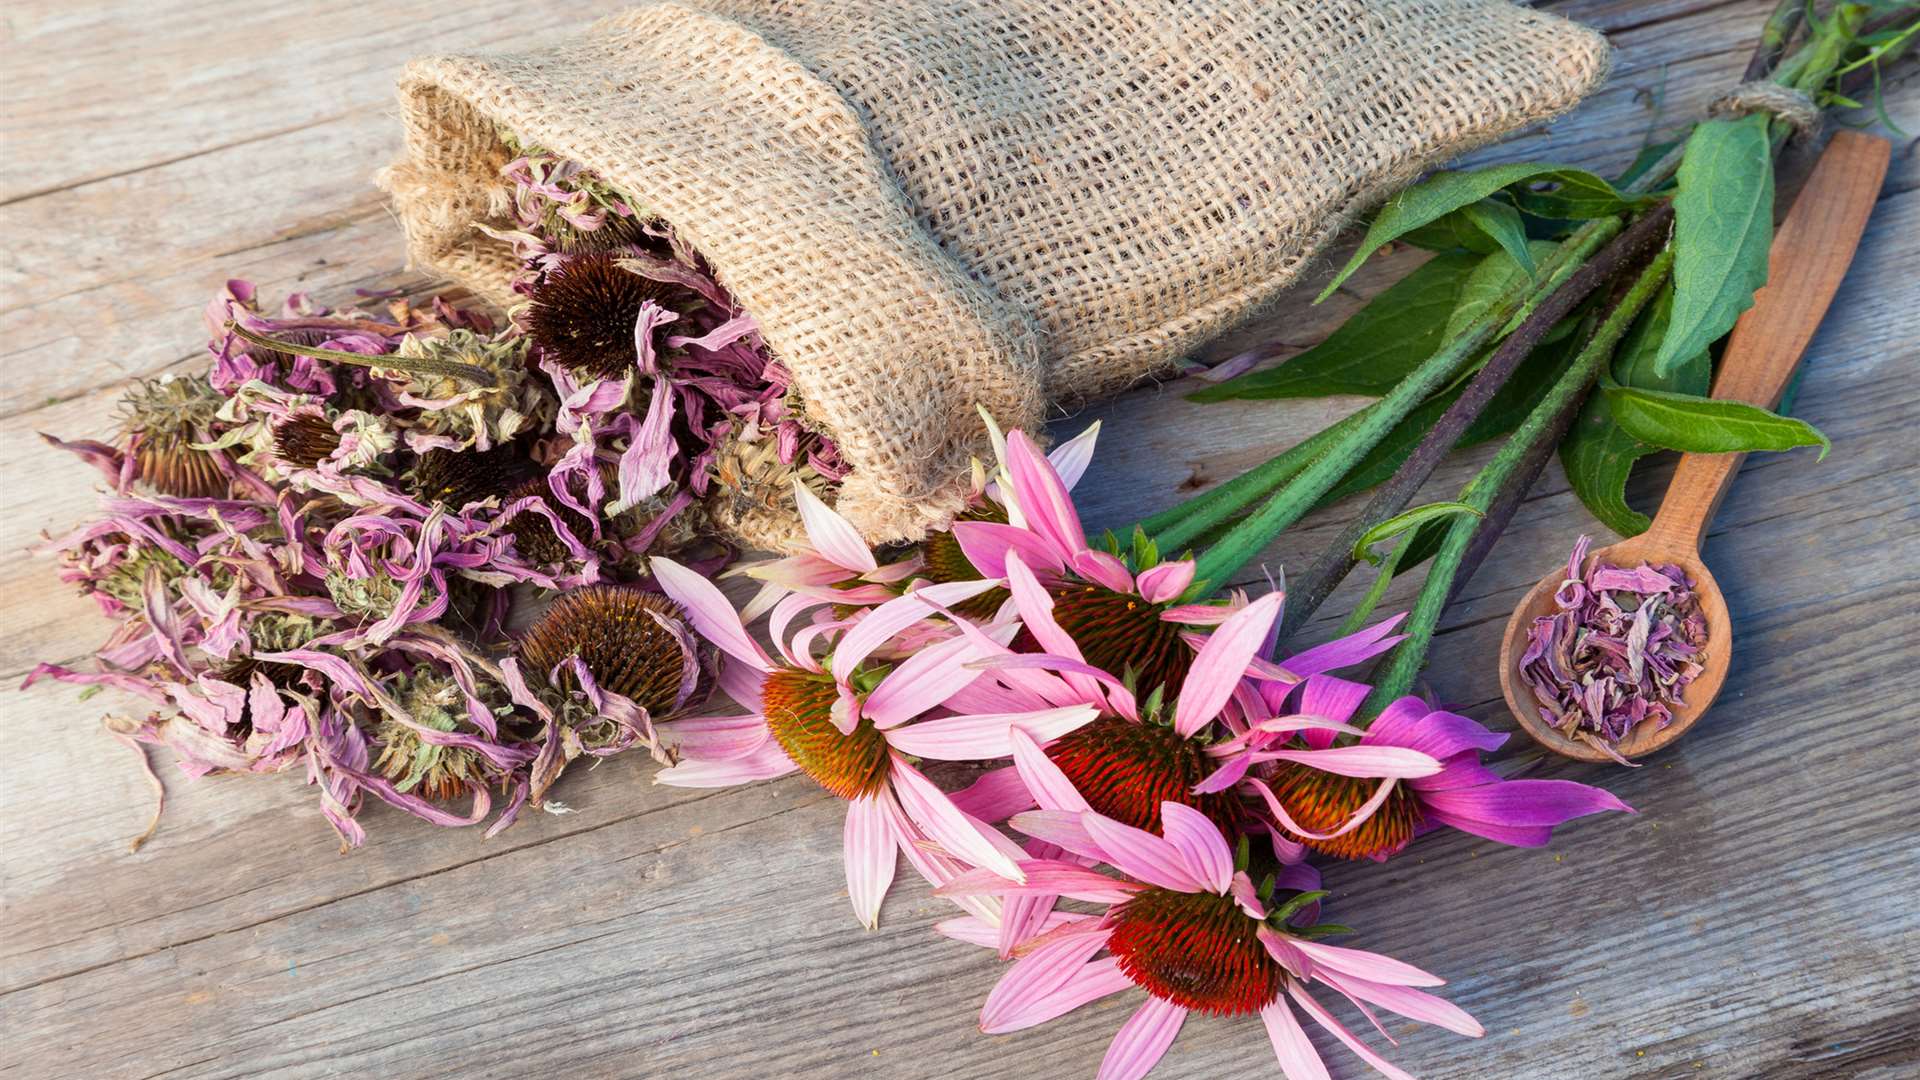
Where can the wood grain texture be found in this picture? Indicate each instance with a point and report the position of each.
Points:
(1755, 919)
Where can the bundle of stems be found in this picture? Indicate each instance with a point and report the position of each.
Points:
(1813, 58)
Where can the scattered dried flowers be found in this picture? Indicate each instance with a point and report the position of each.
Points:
(428, 561)
(1619, 651)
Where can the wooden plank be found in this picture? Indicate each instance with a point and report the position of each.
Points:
(612, 942)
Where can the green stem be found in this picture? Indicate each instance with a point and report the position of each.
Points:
(1396, 677)
(1245, 540)
(413, 365)
(1176, 527)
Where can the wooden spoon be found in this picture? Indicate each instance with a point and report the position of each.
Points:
(1809, 258)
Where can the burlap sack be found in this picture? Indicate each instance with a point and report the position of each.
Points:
(939, 204)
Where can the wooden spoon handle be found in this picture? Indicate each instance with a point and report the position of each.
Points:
(1808, 260)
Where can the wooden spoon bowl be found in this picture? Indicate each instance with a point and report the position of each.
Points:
(1810, 254)
(1696, 697)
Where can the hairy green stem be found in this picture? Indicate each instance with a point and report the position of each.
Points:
(1245, 540)
(1176, 527)
(413, 365)
(1396, 676)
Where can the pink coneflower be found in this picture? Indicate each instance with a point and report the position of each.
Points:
(1124, 618)
(1352, 818)
(847, 730)
(1138, 754)
(1188, 926)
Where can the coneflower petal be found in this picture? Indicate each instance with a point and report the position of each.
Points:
(1050, 786)
(945, 824)
(1142, 1041)
(1222, 663)
(1140, 854)
(1291, 1047)
(1020, 998)
(868, 848)
(1198, 840)
(985, 737)
(833, 536)
(709, 611)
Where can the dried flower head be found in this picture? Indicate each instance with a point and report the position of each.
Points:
(437, 772)
(304, 440)
(457, 478)
(161, 420)
(633, 642)
(533, 534)
(582, 313)
(752, 488)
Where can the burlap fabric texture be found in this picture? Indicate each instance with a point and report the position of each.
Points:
(941, 204)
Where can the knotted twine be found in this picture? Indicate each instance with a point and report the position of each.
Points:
(1795, 109)
(945, 204)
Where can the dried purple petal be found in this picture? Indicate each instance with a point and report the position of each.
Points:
(1618, 652)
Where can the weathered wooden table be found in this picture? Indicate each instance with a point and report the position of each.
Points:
(1757, 918)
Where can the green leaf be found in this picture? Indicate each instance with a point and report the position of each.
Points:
(1499, 275)
(1502, 222)
(1444, 192)
(1571, 195)
(1700, 425)
(1648, 157)
(1722, 227)
(1502, 415)
(1453, 231)
(1401, 522)
(1295, 905)
(1373, 350)
(1598, 455)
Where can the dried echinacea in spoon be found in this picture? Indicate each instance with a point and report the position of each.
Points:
(1619, 650)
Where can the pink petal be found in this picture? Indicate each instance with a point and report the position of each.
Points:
(1282, 949)
(878, 626)
(832, 535)
(977, 931)
(1102, 568)
(1044, 877)
(1050, 787)
(922, 681)
(1335, 699)
(1226, 776)
(986, 544)
(1346, 651)
(1410, 1003)
(1043, 501)
(944, 823)
(1140, 854)
(1325, 1019)
(1198, 840)
(1374, 802)
(1071, 458)
(1437, 733)
(1061, 828)
(1165, 582)
(1523, 803)
(763, 764)
(1034, 978)
(868, 848)
(1372, 967)
(996, 796)
(981, 738)
(1090, 982)
(1142, 1040)
(707, 608)
(1363, 761)
(717, 738)
(1298, 1059)
(1222, 663)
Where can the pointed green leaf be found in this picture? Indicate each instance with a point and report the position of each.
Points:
(1574, 193)
(1502, 222)
(1498, 276)
(1722, 227)
(1374, 349)
(1700, 425)
(1597, 455)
